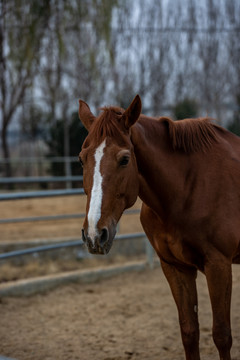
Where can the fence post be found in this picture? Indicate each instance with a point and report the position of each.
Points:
(149, 253)
(67, 164)
(68, 171)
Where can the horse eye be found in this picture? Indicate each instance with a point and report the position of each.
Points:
(124, 161)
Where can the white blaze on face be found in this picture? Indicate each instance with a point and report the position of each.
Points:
(94, 212)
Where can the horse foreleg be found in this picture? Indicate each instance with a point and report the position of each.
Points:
(183, 286)
(219, 279)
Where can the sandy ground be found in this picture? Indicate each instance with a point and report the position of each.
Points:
(131, 316)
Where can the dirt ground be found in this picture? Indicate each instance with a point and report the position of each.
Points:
(131, 316)
(128, 317)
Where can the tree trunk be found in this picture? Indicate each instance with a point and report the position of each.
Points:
(67, 163)
(6, 154)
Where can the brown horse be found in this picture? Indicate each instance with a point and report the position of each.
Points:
(187, 173)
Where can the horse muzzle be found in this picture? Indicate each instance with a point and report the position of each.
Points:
(101, 243)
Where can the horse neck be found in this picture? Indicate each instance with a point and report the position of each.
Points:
(161, 170)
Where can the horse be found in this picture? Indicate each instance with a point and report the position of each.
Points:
(187, 174)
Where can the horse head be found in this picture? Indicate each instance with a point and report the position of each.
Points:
(110, 175)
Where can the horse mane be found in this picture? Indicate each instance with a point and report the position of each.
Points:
(191, 135)
(107, 124)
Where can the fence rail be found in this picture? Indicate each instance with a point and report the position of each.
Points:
(30, 160)
(66, 244)
(41, 218)
(38, 166)
(42, 179)
(39, 194)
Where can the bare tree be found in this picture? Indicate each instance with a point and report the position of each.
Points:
(232, 11)
(106, 51)
(21, 31)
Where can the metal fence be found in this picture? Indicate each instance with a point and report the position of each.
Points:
(51, 193)
(36, 179)
(39, 194)
(37, 168)
(40, 159)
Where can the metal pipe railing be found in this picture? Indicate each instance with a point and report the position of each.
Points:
(56, 159)
(50, 193)
(41, 218)
(39, 194)
(42, 248)
(41, 179)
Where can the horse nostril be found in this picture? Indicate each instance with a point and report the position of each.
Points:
(83, 236)
(103, 237)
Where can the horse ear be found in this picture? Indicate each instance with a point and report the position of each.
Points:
(132, 113)
(85, 114)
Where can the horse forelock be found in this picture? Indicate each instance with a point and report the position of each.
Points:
(107, 125)
(191, 135)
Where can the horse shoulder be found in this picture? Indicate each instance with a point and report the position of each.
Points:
(169, 245)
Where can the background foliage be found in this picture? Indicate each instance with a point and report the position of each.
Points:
(55, 141)
(54, 52)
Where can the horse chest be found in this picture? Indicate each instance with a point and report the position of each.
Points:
(169, 245)
(176, 250)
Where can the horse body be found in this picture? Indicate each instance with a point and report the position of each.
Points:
(191, 193)
(188, 176)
